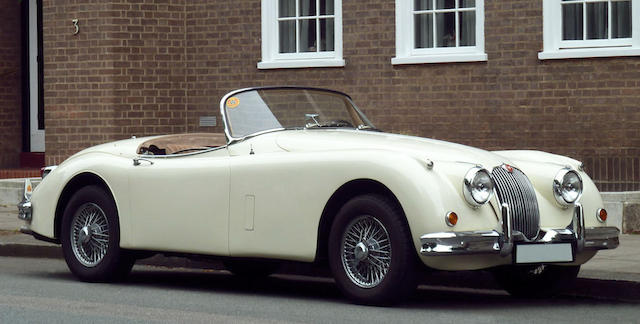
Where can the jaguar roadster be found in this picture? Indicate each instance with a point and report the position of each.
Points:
(301, 174)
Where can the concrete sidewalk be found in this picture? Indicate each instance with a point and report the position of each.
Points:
(611, 274)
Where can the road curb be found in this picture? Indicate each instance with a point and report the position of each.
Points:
(55, 252)
(619, 290)
(30, 251)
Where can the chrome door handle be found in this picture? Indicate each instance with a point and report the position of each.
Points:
(136, 161)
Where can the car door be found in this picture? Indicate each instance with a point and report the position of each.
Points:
(274, 212)
(181, 203)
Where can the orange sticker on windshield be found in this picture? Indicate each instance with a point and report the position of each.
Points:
(233, 102)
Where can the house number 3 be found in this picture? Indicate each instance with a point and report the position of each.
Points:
(75, 25)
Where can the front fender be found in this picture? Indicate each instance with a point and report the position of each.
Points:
(46, 196)
(425, 193)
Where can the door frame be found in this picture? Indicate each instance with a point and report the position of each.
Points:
(33, 138)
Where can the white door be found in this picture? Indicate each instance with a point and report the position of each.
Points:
(181, 204)
(37, 135)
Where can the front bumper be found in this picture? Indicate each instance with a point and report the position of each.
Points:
(495, 242)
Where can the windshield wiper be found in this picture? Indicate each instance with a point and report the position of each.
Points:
(332, 123)
(369, 128)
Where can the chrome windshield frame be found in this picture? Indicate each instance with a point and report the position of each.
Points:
(231, 139)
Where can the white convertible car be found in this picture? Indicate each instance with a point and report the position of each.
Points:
(302, 175)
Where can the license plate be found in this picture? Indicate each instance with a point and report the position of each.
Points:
(537, 253)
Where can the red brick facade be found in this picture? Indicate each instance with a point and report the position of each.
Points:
(123, 74)
(148, 67)
(10, 79)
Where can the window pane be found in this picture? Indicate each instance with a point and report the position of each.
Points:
(286, 8)
(445, 4)
(423, 25)
(467, 3)
(326, 34)
(287, 34)
(446, 29)
(572, 21)
(326, 7)
(597, 20)
(308, 35)
(467, 28)
(621, 19)
(423, 4)
(307, 7)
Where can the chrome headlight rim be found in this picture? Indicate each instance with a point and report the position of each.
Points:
(559, 187)
(468, 183)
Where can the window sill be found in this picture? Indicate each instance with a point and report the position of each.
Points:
(589, 52)
(440, 58)
(294, 64)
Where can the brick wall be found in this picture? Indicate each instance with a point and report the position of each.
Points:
(10, 89)
(122, 75)
(190, 53)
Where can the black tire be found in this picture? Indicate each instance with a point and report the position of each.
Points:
(252, 268)
(399, 281)
(108, 264)
(536, 281)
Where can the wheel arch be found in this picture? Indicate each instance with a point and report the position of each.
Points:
(79, 181)
(343, 194)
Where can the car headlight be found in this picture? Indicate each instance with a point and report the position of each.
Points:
(478, 186)
(567, 187)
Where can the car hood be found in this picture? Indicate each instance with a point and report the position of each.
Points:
(424, 148)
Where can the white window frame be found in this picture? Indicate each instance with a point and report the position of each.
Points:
(557, 48)
(406, 53)
(273, 59)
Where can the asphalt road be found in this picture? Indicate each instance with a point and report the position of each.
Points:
(42, 290)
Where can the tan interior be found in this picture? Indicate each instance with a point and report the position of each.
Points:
(181, 143)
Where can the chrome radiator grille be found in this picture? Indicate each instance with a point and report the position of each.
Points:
(515, 189)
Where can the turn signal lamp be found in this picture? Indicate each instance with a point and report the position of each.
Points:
(28, 189)
(451, 219)
(602, 215)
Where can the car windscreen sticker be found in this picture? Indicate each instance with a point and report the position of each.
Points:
(233, 102)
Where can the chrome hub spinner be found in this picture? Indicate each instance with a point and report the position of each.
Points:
(361, 251)
(85, 235)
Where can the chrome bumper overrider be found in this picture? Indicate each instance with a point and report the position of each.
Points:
(24, 210)
(488, 242)
(24, 207)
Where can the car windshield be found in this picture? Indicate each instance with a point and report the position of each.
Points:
(263, 109)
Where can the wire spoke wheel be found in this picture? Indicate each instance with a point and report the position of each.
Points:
(366, 251)
(89, 234)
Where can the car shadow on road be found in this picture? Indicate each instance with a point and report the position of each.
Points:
(445, 292)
